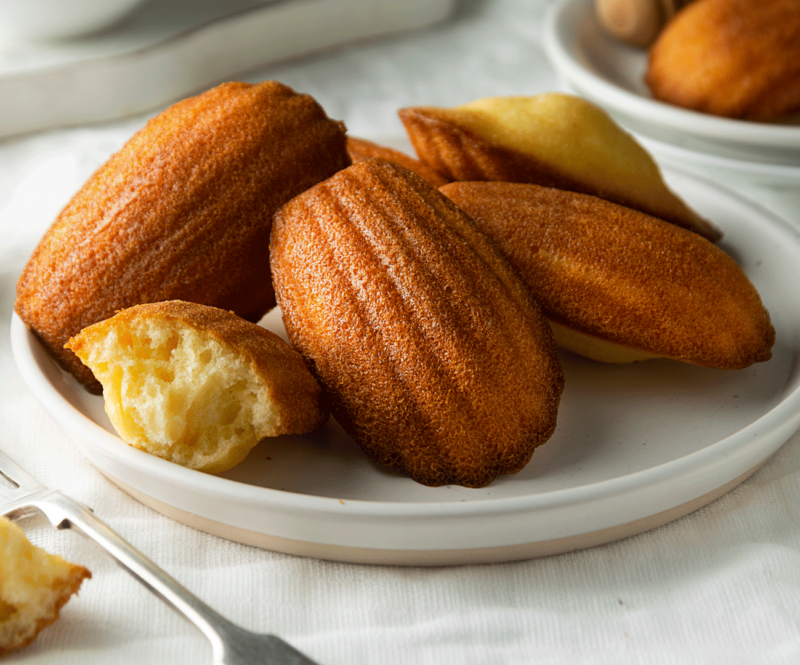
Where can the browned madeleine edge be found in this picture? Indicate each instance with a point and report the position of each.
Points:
(361, 149)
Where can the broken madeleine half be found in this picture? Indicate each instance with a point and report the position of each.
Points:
(34, 586)
(437, 360)
(618, 285)
(182, 212)
(197, 385)
(552, 139)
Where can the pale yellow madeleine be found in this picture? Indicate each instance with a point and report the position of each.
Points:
(552, 139)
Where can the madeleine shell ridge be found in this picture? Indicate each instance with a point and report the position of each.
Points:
(618, 275)
(183, 211)
(436, 359)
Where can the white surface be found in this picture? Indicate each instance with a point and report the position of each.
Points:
(610, 74)
(22, 20)
(102, 78)
(610, 462)
(717, 587)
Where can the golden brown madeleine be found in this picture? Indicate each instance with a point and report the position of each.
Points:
(34, 586)
(618, 285)
(198, 385)
(554, 140)
(735, 58)
(360, 150)
(436, 358)
(183, 211)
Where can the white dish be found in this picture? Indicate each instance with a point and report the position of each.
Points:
(610, 74)
(174, 48)
(636, 446)
(55, 19)
(784, 176)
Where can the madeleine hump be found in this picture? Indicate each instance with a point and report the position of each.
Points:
(197, 385)
(618, 285)
(182, 212)
(552, 139)
(436, 358)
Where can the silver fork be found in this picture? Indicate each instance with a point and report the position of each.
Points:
(230, 644)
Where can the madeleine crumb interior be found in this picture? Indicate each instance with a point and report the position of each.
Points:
(34, 586)
(198, 385)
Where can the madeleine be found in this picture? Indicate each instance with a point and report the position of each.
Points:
(182, 212)
(618, 285)
(197, 385)
(554, 140)
(733, 58)
(436, 358)
(361, 150)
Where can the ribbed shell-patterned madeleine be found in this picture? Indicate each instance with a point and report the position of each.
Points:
(618, 285)
(182, 212)
(436, 358)
(553, 140)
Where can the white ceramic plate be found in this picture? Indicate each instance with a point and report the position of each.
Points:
(174, 48)
(610, 74)
(760, 174)
(636, 446)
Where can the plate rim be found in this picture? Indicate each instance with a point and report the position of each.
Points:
(776, 425)
(711, 160)
(56, 404)
(557, 42)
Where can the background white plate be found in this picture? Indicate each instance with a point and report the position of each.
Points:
(635, 447)
(759, 174)
(610, 74)
(173, 48)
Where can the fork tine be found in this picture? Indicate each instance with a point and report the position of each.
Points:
(17, 476)
(15, 498)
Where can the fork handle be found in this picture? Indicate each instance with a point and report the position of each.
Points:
(65, 513)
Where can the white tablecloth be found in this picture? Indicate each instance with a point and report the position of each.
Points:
(719, 586)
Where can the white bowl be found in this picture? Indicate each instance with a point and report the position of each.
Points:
(610, 74)
(28, 20)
